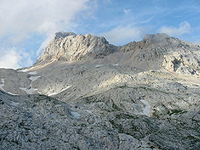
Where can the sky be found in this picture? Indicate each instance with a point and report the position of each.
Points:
(26, 26)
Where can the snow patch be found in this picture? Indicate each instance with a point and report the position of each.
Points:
(147, 108)
(2, 84)
(89, 111)
(23, 70)
(29, 91)
(115, 64)
(10, 93)
(14, 104)
(32, 73)
(75, 114)
(98, 66)
(33, 78)
(56, 92)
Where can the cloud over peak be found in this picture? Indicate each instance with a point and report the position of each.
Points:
(183, 28)
(123, 34)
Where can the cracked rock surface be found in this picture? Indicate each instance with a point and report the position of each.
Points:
(84, 94)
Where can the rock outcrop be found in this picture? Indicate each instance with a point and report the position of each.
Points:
(183, 62)
(71, 47)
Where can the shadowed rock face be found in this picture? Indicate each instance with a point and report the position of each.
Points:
(84, 93)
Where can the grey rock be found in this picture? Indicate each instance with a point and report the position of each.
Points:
(84, 93)
(72, 47)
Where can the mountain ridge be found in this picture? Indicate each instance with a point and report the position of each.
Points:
(147, 54)
(63, 42)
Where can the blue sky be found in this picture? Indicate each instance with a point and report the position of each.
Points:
(27, 26)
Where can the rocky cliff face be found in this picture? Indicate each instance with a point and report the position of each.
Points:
(71, 47)
(84, 93)
(183, 62)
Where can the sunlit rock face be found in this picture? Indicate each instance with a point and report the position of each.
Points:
(71, 47)
(183, 62)
(84, 93)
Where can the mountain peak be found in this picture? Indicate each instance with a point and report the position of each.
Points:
(69, 46)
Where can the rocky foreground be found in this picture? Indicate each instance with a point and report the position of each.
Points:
(84, 94)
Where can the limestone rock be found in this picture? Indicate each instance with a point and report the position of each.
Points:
(84, 93)
(185, 62)
(72, 47)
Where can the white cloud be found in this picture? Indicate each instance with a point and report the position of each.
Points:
(123, 34)
(11, 58)
(126, 11)
(107, 1)
(183, 28)
(20, 18)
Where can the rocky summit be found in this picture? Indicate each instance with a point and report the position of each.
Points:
(71, 47)
(86, 94)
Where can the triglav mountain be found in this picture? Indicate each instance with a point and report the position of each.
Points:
(86, 94)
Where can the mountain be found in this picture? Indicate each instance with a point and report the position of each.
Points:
(84, 93)
(71, 47)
